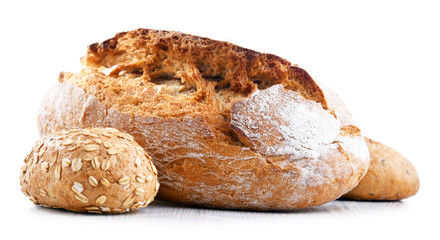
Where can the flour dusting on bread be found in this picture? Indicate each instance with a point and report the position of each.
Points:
(280, 122)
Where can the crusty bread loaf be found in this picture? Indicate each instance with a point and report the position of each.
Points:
(225, 126)
(89, 170)
(390, 176)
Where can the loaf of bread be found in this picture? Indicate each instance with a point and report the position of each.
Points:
(390, 176)
(225, 126)
(89, 170)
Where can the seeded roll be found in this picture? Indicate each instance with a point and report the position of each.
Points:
(89, 170)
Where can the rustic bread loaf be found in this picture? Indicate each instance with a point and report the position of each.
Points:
(89, 170)
(390, 176)
(225, 126)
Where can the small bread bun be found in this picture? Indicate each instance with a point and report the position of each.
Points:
(89, 170)
(390, 176)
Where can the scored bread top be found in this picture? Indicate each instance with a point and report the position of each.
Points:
(171, 74)
(167, 54)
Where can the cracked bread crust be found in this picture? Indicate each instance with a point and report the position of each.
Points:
(195, 59)
(201, 158)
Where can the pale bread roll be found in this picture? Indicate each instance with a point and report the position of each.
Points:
(390, 176)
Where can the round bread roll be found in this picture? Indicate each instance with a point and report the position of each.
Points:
(89, 170)
(227, 127)
(390, 176)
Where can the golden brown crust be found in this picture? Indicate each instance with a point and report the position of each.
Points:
(89, 170)
(390, 176)
(156, 54)
(200, 155)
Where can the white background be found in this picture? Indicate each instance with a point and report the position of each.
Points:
(382, 57)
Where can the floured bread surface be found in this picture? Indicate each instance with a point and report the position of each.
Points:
(225, 126)
(275, 122)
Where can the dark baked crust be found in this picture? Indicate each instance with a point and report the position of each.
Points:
(200, 158)
(234, 67)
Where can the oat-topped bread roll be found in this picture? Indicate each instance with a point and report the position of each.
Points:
(390, 176)
(226, 126)
(89, 170)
